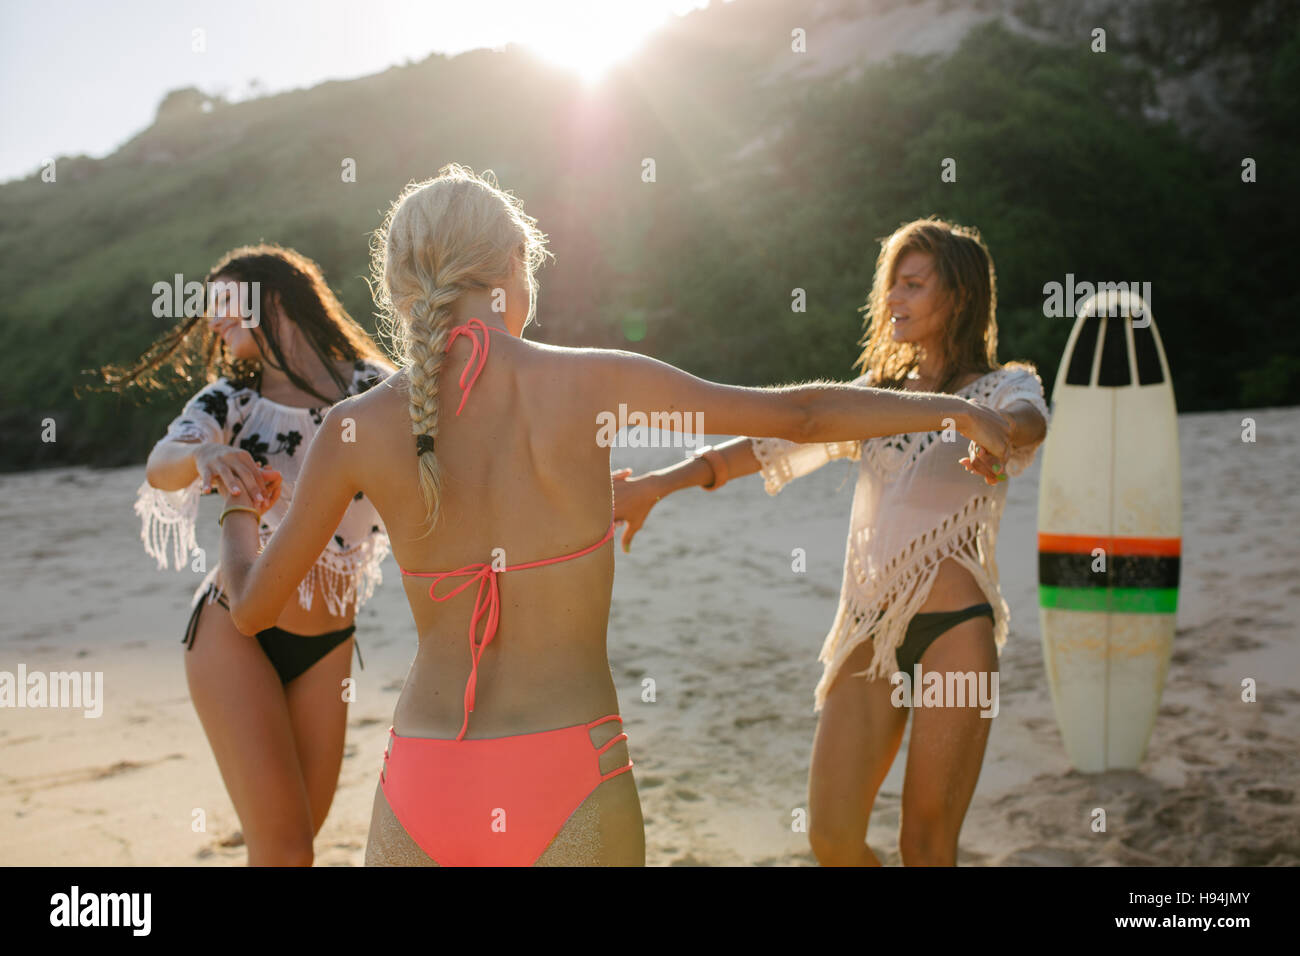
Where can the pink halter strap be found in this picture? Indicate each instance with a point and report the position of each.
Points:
(487, 602)
(477, 356)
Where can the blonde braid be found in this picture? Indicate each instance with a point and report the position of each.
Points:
(430, 327)
(441, 237)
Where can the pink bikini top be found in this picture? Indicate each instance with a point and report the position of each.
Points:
(487, 603)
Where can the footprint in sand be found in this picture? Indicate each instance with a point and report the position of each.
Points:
(1268, 794)
(231, 841)
(122, 766)
(1040, 856)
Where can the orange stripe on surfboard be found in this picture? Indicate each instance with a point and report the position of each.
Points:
(1112, 544)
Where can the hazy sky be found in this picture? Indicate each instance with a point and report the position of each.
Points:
(83, 76)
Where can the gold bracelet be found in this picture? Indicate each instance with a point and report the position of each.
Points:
(236, 508)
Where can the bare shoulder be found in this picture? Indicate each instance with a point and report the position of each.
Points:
(378, 397)
(355, 417)
(564, 354)
(580, 372)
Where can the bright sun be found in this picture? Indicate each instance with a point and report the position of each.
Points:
(590, 38)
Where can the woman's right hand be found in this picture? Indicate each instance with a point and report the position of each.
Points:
(633, 499)
(231, 470)
(988, 428)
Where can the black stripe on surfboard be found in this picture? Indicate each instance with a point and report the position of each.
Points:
(1122, 571)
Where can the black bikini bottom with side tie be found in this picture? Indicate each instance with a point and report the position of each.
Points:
(292, 655)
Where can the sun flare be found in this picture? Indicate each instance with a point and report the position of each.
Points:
(590, 39)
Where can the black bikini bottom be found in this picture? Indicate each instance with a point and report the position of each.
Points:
(292, 655)
(925, 629)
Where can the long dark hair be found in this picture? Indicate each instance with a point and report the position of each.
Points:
(284, 275)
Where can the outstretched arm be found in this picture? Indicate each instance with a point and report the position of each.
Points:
(634, 497)
(259, 586)
(816, 412)
(806, 414)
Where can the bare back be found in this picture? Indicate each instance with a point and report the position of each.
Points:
(521, 471)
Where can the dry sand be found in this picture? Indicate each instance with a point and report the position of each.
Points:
(705, 605)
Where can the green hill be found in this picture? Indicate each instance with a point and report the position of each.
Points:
(767, 179)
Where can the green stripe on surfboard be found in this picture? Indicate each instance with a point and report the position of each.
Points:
(1110, 600)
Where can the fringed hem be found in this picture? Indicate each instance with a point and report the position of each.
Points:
(769, 464)
(908, 579)
(167, 521)
(346, 580)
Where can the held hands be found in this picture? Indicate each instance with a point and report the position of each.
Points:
(990, 433)
(233, 473)
(633, 499)
(238, 497)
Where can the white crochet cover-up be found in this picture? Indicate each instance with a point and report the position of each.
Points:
(276, 435)
(914, 507)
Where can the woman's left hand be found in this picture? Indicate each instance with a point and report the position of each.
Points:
(981, 462)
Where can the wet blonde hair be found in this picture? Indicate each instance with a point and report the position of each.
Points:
(442, 238)
(967, 281)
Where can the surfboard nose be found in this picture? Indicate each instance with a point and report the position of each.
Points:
(1114, 343)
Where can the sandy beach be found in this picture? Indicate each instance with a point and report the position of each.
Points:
(705, 606)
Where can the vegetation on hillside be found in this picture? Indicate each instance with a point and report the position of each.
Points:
(762, 186)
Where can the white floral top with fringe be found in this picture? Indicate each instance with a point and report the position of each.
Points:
(914, 506)
(276, 435)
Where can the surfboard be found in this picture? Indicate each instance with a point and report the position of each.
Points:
(1109, 533)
